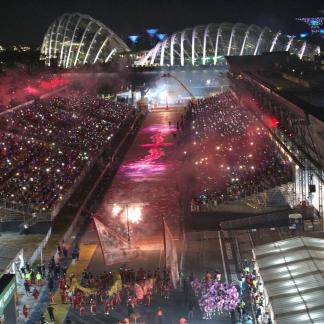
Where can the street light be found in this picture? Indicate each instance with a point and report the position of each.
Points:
(128, 232)
(116, 210)
(133, 214)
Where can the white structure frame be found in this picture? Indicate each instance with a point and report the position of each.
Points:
(61, 40)
(221, 39)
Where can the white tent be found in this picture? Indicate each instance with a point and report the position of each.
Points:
(292, 272)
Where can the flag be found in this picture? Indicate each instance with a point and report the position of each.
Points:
(171, 257)
(115, 248)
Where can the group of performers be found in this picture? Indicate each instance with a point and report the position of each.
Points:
(111, 289)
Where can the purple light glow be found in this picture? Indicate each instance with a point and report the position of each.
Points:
(158, 141)
(159, 128)
(151, 163)
(215, 297)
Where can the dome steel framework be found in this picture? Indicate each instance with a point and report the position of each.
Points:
(209, 44)
(76, 39)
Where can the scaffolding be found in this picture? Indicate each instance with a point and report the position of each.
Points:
(294, 139)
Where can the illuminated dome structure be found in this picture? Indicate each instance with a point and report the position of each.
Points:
(76, 39)
(209, 44)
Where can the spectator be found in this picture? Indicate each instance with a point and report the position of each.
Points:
(25, 311)
(45, 146)
(50, 310)
(233, 155)
(27, 287)
(191, 309)
(159, 314)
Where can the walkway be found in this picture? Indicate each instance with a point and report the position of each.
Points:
(149, 178)
(86, 253)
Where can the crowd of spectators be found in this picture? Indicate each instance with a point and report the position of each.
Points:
(252, 296)
(232, 154)
(45, 146)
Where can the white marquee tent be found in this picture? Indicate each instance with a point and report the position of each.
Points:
(292, 272)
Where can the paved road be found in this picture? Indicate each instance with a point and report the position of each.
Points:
(149, 178)
(151, 175)
(171, 314)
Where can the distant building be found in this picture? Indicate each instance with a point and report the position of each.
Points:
(77, 39)
(74, 40)
(210, 44)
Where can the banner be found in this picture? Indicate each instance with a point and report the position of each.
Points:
(171, 257)
(115, 248)
(40, 247)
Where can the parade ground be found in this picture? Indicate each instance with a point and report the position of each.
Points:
(151, 176)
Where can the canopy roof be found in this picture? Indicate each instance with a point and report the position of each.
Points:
(8, 254)
(293, 274)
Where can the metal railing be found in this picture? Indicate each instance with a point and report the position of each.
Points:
(11, 211)
(17, 207)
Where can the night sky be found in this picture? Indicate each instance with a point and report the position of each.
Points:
(26, 21)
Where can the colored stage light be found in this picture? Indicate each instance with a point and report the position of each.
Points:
(116, 210)
(152, 31)
(163, 95)
(161, 37)
(133, 38)
(135, 214)
(315, 22)
(273, 122)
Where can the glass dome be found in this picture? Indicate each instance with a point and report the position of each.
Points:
(76, 39)
(209, 44)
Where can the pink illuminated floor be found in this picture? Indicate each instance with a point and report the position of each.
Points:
(150, 175)
(154, 163)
